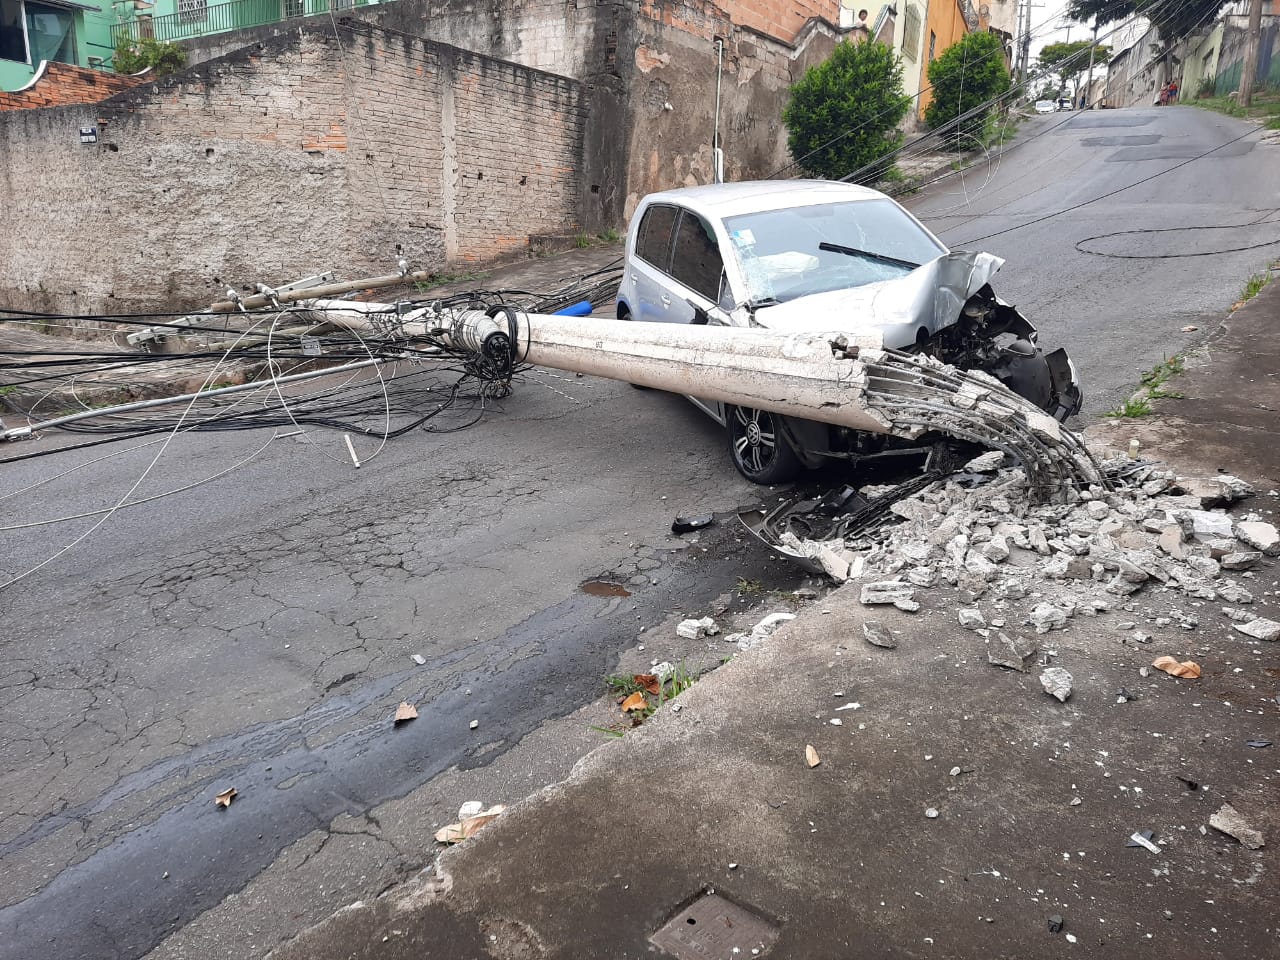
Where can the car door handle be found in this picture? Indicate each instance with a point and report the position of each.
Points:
(666, 300)
(634, 278)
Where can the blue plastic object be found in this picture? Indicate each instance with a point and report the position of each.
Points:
(580, 309)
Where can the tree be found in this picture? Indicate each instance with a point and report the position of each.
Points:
(163, 57)
(843, 113)
(1174, 20)
(1069, 60)
(967, 76)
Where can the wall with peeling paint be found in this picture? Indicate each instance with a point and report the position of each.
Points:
(308, 152)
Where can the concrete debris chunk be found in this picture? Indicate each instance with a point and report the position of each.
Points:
(1045, 617)
(988, 462)
(1221, 547)
(697, 629)
(907, 605)
(1259, 535)
(1016, 652)
(761, 631)
(1259, 629)
(1227, 819)
(1240, 561)
(1215, 491)
(1057, 683)
(1234, 593)
(971, 618)
(886, 591)
(878, 635)
(1207, 525)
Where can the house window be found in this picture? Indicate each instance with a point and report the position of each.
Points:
(13, 38)
(933, 42)
(193, 11)
(31, 32)
(911, 33)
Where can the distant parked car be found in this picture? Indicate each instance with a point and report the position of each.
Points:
(1044, 106)
(816, 256)
(1064, 103)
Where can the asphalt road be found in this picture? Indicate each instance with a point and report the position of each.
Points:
(1120, 308)
(258, 631)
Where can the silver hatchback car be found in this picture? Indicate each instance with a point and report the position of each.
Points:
(818, 255)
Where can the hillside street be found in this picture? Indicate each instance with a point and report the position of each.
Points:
(258, 631)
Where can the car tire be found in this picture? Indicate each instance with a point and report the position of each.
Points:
(759, 447)
(625, 314)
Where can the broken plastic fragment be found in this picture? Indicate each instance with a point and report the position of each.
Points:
(1143, 839)
(689, 524)
(457, 832)
(406, 711)
(1187, 668)
(1229, 821)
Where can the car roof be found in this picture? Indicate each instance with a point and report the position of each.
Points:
(722, 200)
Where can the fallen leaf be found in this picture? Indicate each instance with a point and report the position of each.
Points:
(649, 681)
(225, 797)
(406, 711)
(811, 755)
(634, 702)
(457, 832)
(1187, 668)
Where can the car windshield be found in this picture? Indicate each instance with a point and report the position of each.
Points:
(799, 251)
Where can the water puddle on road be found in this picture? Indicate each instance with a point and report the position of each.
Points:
(603, 588)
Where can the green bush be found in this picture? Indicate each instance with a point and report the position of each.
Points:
(843, 113)
(968, 74)
(163, 58)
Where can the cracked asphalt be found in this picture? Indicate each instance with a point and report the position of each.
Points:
(258, 631)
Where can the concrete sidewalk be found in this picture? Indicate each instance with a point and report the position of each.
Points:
(1035, 800)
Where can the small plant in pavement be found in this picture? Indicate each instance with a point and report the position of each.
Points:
(1133, 407)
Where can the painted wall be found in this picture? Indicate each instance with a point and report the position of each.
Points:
(944, 25)
(92, 39)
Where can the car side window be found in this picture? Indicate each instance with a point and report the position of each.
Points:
(653, 239)
(697, 263)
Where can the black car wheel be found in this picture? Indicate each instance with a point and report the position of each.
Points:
(760, 450)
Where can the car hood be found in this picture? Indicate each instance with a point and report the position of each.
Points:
(930, 296)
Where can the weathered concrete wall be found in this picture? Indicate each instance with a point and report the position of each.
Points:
(672, 88)
(307, 152)
(1230, 64)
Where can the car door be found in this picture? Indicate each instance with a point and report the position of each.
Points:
(651, 261)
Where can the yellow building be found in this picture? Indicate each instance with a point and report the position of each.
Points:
(944, 24)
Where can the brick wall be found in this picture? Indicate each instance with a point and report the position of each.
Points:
(62, 84)
(308, 152)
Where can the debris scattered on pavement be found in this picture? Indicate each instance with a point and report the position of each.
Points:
(1070, 937)
(697, 629)
(1055, 924)
(470, 809)
(1187, 669)
(1191, 784)
(405, 712)
(473, 724)
(467, 827)
(1016, 652)
(689, 524)
(761, 631)
(931, 813)
(1143, 839)
(224, 798)
(811, 755)
(878, 635)
(636, 701)
(1259, 629)
(1228, 820)
(1190, 328)
(1056, 683)
(649, 681)
(1257, 744)
(419, 659)
(1124, 696)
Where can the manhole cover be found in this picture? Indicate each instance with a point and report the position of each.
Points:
(712, 928)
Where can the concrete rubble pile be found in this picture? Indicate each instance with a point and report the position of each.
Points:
(1040, 565)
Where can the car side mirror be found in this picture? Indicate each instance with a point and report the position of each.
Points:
(700, 315)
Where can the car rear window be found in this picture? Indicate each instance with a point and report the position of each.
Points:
(653, 239)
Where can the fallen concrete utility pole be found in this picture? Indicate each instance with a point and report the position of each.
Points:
(828, 377)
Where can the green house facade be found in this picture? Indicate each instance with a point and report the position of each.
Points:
(65, 31)
(86, 33)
